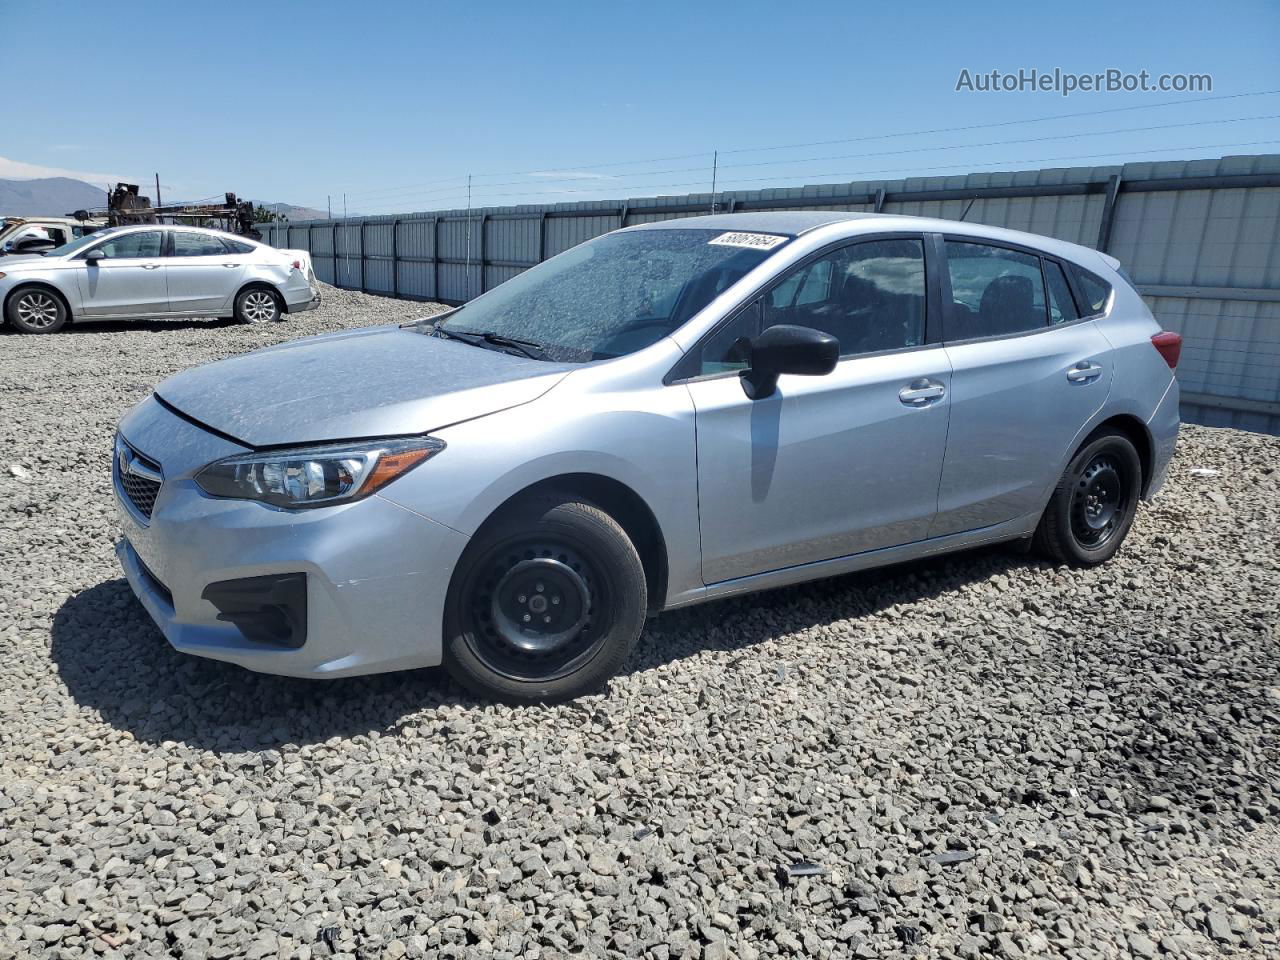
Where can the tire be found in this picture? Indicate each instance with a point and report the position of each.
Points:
(36, 310)
(258, 305)
(551, 558)
(1094, 504)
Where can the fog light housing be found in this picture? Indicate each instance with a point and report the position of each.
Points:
(270, 609)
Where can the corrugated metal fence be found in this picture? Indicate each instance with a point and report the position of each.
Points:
(1200, 238)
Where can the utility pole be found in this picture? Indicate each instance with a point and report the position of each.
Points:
(715, 165)
(158, 203)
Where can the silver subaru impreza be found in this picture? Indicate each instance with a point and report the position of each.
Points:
(668, 414)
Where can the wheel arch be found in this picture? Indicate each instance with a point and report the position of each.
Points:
(622, 503)
(257, 283)
(1136, 431)
(43, 285)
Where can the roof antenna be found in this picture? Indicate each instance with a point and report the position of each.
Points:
(967, 207)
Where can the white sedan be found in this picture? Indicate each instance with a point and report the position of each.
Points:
(155, 270)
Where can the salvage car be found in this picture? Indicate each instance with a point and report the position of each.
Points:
(38, 234)
(669, 414)
(154, 271)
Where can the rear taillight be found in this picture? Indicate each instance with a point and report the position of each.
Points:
(1170, 347)
(297, 264)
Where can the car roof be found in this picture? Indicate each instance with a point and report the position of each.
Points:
(185, 228)
(797, 222)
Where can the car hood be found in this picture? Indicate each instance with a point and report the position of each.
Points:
(11, 260)
(377, 382)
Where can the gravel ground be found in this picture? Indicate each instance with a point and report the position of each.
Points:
(979, 755)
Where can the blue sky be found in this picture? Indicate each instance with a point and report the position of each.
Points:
(395, 103)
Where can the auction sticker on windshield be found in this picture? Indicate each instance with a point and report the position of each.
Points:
(753, 241)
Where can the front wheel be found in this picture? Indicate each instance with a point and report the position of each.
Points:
(36, 310)
(545, 604)
(1094, 504)
(257, 305)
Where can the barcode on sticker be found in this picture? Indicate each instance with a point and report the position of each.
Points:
(753, 241)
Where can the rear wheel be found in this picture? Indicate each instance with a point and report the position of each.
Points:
(257, 305)
(1094, 504)
(545, 604)
(36, 310)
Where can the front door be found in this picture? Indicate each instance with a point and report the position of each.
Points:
(128, 281)
(1027, 376)
(833, 465)
(203, 274)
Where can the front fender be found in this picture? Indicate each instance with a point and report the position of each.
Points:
(646, 444)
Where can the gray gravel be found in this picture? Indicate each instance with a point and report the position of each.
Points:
(979, 755)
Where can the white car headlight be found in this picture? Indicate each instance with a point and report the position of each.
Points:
(316, 476)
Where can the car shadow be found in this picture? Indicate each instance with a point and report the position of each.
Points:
(115, 661)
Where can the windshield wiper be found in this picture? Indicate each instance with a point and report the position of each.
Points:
(530, 348)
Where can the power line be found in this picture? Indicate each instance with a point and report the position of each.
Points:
(860, 139)
(845, 176)
(880, 153)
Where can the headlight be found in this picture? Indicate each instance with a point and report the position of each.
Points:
(316, 476)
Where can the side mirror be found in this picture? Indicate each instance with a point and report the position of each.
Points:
(788, 349)
(93, 256)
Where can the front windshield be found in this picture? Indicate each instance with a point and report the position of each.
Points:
(77, 245)
(616, 294)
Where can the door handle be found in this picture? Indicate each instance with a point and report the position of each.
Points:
(231, 264)
(1084, 371)
(919, 393)
(151, 266)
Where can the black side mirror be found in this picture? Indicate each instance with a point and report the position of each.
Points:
(788, 349)
(93, 256)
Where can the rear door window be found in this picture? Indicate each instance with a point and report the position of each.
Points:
(995, 291)
(198, 245)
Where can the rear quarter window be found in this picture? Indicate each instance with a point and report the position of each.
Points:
(1094, 290)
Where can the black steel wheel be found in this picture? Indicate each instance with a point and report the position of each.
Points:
(1094, 504)
(546, 603)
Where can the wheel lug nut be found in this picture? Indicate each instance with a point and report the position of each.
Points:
(521, 599)
(527, 618)
(546, 619)
(539, 587)
(555, 600)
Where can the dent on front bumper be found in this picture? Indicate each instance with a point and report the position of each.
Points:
(376, 573)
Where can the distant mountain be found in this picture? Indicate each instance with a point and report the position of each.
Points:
(295, 213)
(52, 196)
(59, 196)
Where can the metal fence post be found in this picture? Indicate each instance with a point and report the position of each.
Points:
(435, 257)
(542, 237)
(483, 217)
(362, 225)
(1108, 212)
(334, 244)
(395, 257)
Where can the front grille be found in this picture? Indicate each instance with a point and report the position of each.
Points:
(136, 476)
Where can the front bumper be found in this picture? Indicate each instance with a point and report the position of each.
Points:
(376, 573)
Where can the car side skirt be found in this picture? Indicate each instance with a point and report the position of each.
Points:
(1014, 529)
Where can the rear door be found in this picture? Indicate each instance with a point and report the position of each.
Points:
(128, 281)
(833, 465)
(1027, 375)
(203, 273)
